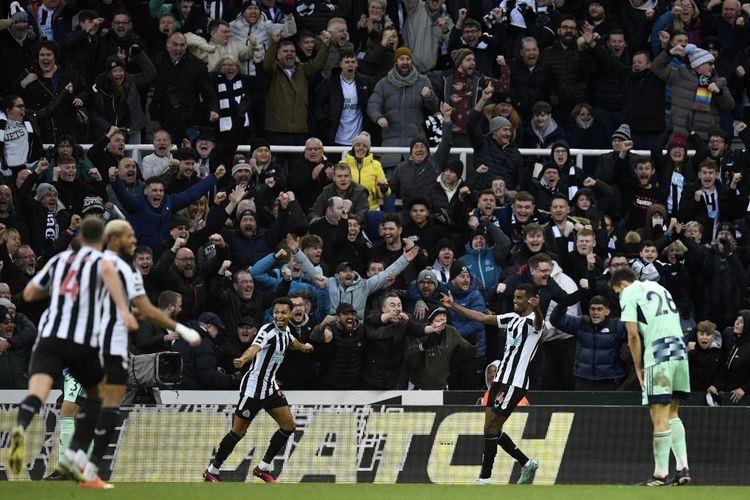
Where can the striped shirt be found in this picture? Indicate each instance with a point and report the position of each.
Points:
(521, 342)
(260, 380)
(114, 333)
(76, 291)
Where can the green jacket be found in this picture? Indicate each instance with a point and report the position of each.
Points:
(428, 369)
(287, 99)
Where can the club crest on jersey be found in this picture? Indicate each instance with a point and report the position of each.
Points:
(499, 400)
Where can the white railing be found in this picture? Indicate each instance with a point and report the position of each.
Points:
(137, 151)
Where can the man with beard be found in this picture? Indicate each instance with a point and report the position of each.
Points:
(347, 283)
(177, 270)
(638, 189)
(152, 338)
(233, 347)
(9, 216)
(127, 171)
(310, 174)
(340, 346)
(158, 162)
(25, 260)
(151, 212)
(530, 79)
(119, 38)
(461, 91)
(399, 102)
(108, 150)
(287, 100)
(184, 176)
(242, 300)
(643, 102)
(570, 67)
(424, 295)
(297, 370)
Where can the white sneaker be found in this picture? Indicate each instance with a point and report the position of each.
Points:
(482, 481)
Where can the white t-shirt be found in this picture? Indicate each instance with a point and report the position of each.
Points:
(16, 139)
(351, 116)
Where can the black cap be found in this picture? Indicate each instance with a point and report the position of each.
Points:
(211, 319)
(345, 308)
(179, 220)
(247, 321)
(726, 226)
(344, 265)
(435, 312)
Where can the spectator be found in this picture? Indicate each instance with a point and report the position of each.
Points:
(339, 44)
(116, 99)
(587, 129)
(543, 131)
(495, 154)
(737, 356)
(21, 144)
(347, 284)
(468, 34)
(299, 372)
(341, 102)
(287, 98)
(119, 38)
(698, 95)
(705, 358)
(143, 260)
(387, 330)
(708, 202)
(71, 190)
(66, 146)
(24, 260)
(183, 96)
(429, 357)
(233, 347)
(151, 338)
(467, 369)
(398, 102)
(127, 172)
(486, 251)
(220, 45)
(367, 171)
(239, 112)
(571, 66)
(17, 47)
(340, 345)
(730, 26)
(424, 294)
(674, 169)
(13, 363)
(411, 176)
(377, 61)
(330, 228)
(643, 101)
(253, 27)
(158, 162)
(370, 26)
(152, 211)
(728, 161)
(530, 79)
(80, 45)
(343, 187)
(599, 340)
(184, 175)
(200, 364)
(107, 151)
(426, 27)
(449, 199)
(242, 300)
(310, 174)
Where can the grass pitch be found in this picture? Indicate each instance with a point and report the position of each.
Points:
(307, 491)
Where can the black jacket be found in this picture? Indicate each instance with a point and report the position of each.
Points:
(530, 86)
(643, 102)
(329, 104)
(384, 351)
(571, 70)
(342, 357)
(199, 364)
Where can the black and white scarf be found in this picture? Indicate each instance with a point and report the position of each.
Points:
(230, 94)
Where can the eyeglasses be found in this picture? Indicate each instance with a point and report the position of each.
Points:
(186, 259)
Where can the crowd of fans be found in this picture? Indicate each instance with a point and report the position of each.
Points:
(366, 246)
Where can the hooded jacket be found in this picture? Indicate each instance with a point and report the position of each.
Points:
(367, 174)
(485, 263)
(737, 356)
(472, 331)
(429, 368)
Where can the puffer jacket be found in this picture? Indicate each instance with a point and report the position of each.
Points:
(571, 70)
(384, 351)
(484, 263)
(368, 176)
(597, 346)
(684, 82)
(341, 359)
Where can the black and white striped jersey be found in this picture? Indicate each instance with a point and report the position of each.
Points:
(76, 292)
(521, 342)
(114, 333)
(260, 380)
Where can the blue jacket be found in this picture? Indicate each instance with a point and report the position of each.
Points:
(151, 225)
(267, 279)
(484, 264)
(468, 329)
(597, 347)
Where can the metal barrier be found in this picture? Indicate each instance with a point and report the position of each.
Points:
(137, 151)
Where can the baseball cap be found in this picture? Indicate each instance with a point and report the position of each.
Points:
(211, 319)
(427, 275)
(343, 266)
(344, 308)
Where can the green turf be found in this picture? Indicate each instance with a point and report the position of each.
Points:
(317, 491)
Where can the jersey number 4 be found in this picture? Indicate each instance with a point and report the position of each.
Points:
(660, 309)
(70, 285)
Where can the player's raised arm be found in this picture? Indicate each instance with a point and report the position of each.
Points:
(538, 316)
(247, 356)
(114, 285)
(32, 293)
(446, 300)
